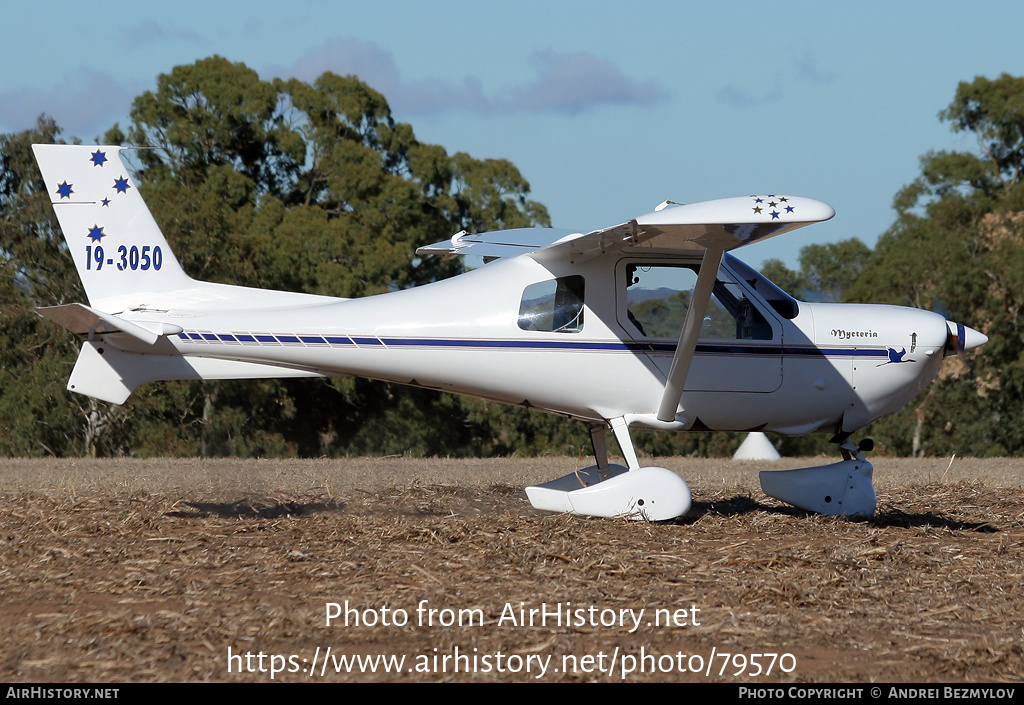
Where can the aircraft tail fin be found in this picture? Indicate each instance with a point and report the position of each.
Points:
(118, 249)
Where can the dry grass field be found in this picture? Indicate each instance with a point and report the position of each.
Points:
(190, 570)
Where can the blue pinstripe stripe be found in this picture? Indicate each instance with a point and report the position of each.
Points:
(724, 349)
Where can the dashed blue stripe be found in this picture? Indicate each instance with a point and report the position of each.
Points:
(730, 349)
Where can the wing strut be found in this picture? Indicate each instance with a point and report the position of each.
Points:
(689, 334)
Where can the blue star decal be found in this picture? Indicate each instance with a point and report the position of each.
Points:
(789, 209)
(775, 215)
(95, 233)
(64, 190)
(121, 184)
(105, 202)
(98, 158)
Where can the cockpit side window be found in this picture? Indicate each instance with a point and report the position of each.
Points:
(658, 296)
(554, 306)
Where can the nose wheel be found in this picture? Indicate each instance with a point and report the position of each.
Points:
(840, 489)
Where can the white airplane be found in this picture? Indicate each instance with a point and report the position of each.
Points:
(649, 324)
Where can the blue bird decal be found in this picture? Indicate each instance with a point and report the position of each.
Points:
(895, 356)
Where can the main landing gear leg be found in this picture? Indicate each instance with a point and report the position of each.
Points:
(612, 490)
(839, 489)
(621, 432)
(600, 446)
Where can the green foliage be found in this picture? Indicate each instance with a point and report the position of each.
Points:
(39, 417)
(994, 112)
(793, 283)
(215, 113)
(830, 269)
(827, 271)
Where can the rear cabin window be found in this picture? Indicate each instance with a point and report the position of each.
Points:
(554, 306)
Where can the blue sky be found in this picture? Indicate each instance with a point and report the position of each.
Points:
(607, 108)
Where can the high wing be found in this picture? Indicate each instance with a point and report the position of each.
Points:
(498, 243)
(712, 226)
(722, 224)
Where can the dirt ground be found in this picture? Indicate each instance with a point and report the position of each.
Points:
(190, 570)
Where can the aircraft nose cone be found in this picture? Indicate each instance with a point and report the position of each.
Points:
(961, 338)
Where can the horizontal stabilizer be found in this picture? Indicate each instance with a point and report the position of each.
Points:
(84, 320)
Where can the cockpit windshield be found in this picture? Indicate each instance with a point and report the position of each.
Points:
(784, 304)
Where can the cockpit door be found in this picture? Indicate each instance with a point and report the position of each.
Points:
(740, 344)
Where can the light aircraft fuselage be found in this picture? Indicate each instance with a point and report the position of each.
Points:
(826, 369)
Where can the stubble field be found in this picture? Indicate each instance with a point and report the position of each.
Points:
(189, 570)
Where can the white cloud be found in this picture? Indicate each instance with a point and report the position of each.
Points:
(346, 56)
(86, 103)
(804, 70)
(807, 70)
(567, 84)
(731, 95)
(576, 83)
(149, 31)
